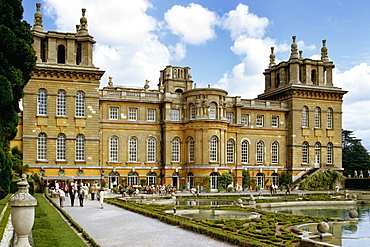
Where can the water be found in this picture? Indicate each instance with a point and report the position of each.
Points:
(214, 214)
(195, 202)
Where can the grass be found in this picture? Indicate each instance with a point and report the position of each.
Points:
(4, 220)
(50, 229)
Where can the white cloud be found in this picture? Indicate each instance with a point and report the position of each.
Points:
(178, 52)
(194, 24)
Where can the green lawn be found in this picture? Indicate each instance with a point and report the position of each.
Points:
(4, 220)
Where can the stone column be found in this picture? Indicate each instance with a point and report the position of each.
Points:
(22, 212)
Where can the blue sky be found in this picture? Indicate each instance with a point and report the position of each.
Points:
(225, 42)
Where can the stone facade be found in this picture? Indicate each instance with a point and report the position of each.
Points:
(177, 133)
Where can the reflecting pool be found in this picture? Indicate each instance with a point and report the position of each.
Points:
(214, 214)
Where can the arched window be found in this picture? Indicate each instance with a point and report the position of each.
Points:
(214, 180)
(275, 178)
(151, 149)
(330, 153)
(132, 152)
(317, 117)
(329, 118)
(230, 151)
(132, 178)
(260, 180)
(305, 117)
(151, 178)
(305, 153)
(80, 147)
(42, 102)
(190, 179)
(275, 153)
(176, 149)
(113, 149)
(191, 149)
(245, 146)
(80, 104)
(61, 147)
(260, 152)
(317, 156)
(213, 149)
(192, 111)
(41, 146)
(212, 111)
(61, 103)
(61, 54)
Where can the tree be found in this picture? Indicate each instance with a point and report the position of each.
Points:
(354, 155)
(225, 179)
(285, 178)
(246, 179)
(18, 167)
(17, 61)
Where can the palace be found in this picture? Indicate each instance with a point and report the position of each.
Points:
(70, 129)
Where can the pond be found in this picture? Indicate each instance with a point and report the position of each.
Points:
(214, 214)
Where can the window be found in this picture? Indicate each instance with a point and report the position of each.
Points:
(80, 147)
(113, 113)
(245, 119)
(317, 117)
(213, 149)
(151, 178)
(330, 154)
(260, 180)
(61, 103)
(132, 114)
(132, 149)
(259, 120)
(214, 180)
(329, 118)
(260, 152)
(230, 150)
(212, 111)
(305, 153)
(191, 149)
(42, 102)
(61, 54)
(229, 116)
(275, 121)
(305, 117)
(175, 115)
(317, 154)
(41, 146)
(113, 149)
(132, 178)
(61, 147)
(190, 179)
(151, 149)
(80, 104)
(176, 149)
(192, 111)
(151, 115)
(275, 153)
(275, 178)
(245, 145)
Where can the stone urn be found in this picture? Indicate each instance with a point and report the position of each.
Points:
(22, 212)
(323, 227)
(353, 214)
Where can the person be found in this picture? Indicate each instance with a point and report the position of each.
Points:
(275, 187)
(81, 196)
(193, 191)
(101, 198)
(337, 189)
(71, 189)
(62, 197)
(287, 189)
(355, 174)
(271, 189)
(93, 190)
(361, 174)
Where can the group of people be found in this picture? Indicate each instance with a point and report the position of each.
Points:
(133, 190)
(81, 191)
(273, 188)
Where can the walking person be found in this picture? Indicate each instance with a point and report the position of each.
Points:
(81, 196)
(62, 197)
(101, 198)
(72, 191)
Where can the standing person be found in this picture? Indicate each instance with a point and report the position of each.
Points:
(101, 198)
(71, 189)
(62, 197)
(81, 196)
(93, 190)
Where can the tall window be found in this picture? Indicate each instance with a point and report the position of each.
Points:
(245, 119)
(113, 113)
(190, 179)
(61, 103)
(275, 178)
(151, 178)
(229, 116)
(259, 121)
(151, 149)
(61, 54)
(213, 149)
(317, 117)
(330, 154)
(42, 102)
(305, 153)
(230, 150)
(192, 111)
(132, 178)
(41, 146)
(212, 111)
(329, 118)
(317, 153)
(214, 180)
(191, 149)
(260, 179)
(80, 104)
(245, 145)
(275, 153)
(176, 149)
(275, 121)
(80, 147)
(132, 152)
(113, 149)
(260, 152)
(305, 117)
(175, 115)
(151, 115)
(61, 147)
(132, 114)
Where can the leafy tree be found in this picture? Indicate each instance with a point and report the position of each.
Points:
(17, 60)
(354, 155)
(225, 179)
(246, 179)
(17, 160)
(285, 178)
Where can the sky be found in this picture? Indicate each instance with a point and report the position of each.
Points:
(226, 43)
